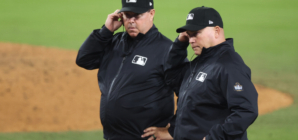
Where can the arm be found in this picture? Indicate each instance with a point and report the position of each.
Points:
(175, 67)
(93, 49)
(175, 62)
(242, 102)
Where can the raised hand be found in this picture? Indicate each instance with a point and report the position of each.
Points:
(183, 37)
(112, 22)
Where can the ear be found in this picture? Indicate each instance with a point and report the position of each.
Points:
(152, 13)
(217, 31)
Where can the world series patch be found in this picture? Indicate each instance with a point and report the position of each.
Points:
(238, 87)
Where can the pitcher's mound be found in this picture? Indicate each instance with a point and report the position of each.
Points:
(42, 89)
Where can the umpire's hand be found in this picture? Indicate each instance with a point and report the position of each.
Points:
(157, 133)
(183, 37)
(112, 22)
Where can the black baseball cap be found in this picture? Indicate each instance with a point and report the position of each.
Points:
(201, 17)
(136, 6)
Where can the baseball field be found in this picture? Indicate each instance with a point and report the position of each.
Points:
(45, 96)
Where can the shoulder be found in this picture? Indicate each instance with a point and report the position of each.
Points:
(162, 41)
(231, 61)
(165, 39)
(159, 37)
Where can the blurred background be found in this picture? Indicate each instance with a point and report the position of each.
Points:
(264, 32)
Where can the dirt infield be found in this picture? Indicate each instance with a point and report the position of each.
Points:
(42, 89)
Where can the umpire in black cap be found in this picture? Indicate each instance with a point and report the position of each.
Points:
(134, 95)
(217, 99)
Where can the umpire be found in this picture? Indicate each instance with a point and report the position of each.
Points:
(131, 71)
(217, 99)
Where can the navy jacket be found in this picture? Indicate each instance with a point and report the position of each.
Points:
(217, 99)
(131, 80)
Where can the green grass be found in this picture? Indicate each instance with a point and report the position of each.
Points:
(264, 32)
(91, 135)
(281, 124)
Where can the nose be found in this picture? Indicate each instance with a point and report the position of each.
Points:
(192, 39)
(132, 19)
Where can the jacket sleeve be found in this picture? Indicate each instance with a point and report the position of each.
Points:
(92, 50)
(175, 68)
(175, 64)
(242, 98)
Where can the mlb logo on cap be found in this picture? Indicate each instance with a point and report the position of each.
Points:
(137, 6)
(205, 17)
(131, 1)
(190, 16)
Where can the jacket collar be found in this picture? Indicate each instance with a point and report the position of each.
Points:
(213, 51)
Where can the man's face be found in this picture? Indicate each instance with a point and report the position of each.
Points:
(138, 23)
(201, 39)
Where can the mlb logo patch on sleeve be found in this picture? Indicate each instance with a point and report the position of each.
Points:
(201, 77)
(139, 60)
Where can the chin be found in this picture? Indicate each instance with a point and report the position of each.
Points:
(133, 35)
(198, 53)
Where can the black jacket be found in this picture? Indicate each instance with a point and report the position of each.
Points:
(217, 99)
(131, 79)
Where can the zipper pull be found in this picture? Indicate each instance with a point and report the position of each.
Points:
(123, 59)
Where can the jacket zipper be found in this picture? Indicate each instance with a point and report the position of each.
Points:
(189, 81)
(115, 78)
(183, 95)
(112, 84)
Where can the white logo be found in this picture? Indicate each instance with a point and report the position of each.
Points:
(150, 3)
(201, 76)
(190, 16)
(210, 22)
(238, 87)
(131, 1)
(139, 60)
